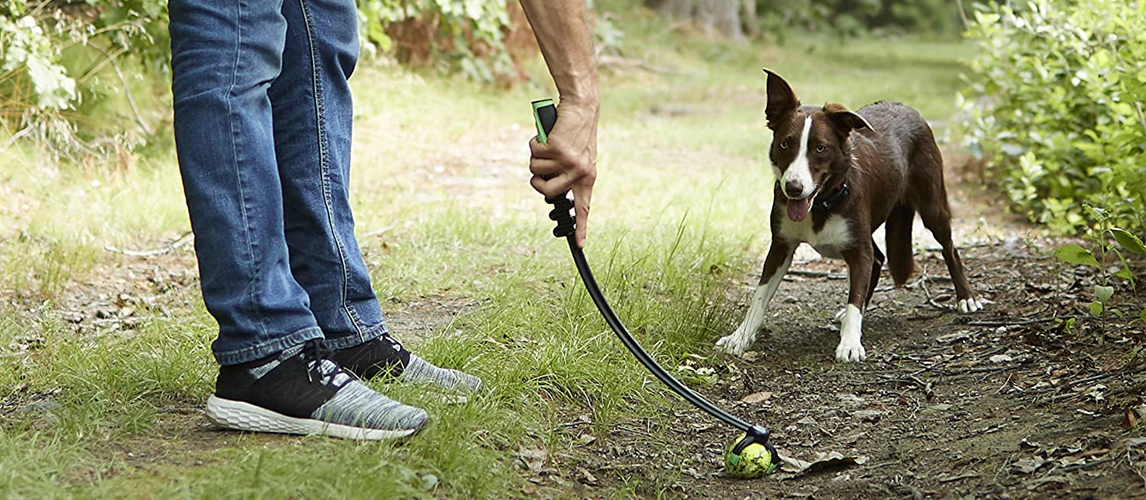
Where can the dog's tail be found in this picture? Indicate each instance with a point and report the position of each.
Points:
(900, 261)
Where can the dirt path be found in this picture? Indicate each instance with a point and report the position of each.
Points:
(1007, 403)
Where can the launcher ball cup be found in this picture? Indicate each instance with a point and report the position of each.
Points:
(753, 461)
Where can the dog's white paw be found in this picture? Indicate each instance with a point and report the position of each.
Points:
(850, 350)
(735, 344)
(841, 313)
(970, 305)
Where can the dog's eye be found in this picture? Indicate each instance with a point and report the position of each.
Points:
(783, 144)
(821, 148)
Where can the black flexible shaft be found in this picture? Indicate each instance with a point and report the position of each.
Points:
(562, 214)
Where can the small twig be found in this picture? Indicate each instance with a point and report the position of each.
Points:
(817, 274)
(923, 318)
(15, 137)
(1074, 467)
(171, 247)
(1009, 323)
(1074, 383)
(608, 60)
(968, 475)
(378, 232)
(973, 245)
(963, 15)
(126, 90)
(1005, 383)
(1137, 470)
(1141, 117)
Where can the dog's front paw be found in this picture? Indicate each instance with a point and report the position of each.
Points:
(850, 350)
(970, 305)
(734, 344)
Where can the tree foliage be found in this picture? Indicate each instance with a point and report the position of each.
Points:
(1055, 108)
(60, 58)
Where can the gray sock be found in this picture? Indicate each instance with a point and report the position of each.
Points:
(421, 371)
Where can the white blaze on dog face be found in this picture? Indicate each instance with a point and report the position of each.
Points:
(800, 169)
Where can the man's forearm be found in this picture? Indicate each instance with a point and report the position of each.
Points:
(563, 34)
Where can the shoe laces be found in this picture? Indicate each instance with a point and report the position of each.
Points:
(317, 354)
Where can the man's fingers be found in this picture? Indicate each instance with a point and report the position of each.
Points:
(539, 150)
(581, 196)
(544, 167)
(554, 186)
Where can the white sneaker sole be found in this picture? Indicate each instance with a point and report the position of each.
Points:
(242, 416)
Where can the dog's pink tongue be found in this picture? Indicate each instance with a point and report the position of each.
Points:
(798, 209)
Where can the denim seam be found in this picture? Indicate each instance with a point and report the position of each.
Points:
(349, 341)
(238, 171)
(324, 167)
(268, 348)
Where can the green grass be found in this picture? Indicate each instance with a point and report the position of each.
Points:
(678, 221)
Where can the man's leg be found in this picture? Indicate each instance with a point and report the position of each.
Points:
(313, 118)
(225, 54)
(220, 74)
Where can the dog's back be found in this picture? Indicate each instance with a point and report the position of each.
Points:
(907, 142)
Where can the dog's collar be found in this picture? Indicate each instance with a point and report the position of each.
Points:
(831, 198)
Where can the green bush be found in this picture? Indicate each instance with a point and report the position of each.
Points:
(857, 17)
(65, 64)
(1055, 108)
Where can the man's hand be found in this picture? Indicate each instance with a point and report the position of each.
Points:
(569, 160)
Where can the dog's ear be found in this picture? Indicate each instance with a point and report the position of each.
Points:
(782, 101)
(843, 119)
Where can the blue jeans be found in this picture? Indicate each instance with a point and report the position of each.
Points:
(262, 130)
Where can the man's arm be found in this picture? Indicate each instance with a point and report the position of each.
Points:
(569, 160)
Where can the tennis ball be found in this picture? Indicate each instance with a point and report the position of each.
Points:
(753, 461)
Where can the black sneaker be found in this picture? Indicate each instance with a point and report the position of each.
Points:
(385, 356)
(302, 392)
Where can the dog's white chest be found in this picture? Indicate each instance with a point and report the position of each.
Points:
(829, 241)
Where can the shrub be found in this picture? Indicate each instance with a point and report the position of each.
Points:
(64, 64)
(1055, 108)
(857, 17)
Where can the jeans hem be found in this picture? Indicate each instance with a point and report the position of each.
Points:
(353, 340)
(268, 348)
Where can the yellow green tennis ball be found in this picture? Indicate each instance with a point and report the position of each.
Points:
(753, 461)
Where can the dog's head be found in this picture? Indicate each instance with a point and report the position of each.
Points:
(809, 144)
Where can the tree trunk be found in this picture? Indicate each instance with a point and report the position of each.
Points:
(716, 16)
(749, 18)
(676, 9)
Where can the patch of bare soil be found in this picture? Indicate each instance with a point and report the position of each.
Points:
(1028, 398)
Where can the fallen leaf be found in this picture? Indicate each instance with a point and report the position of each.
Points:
(1028, 465)
(428, 482)
(1000, 358)
(953, 337)
(868, 415)
(586, 476)
(1132, 417)
(1095, 393)
(756, 397)
(587, 439)
(822, 462)
(533, 458)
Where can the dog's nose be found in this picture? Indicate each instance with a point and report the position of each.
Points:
(793, 188)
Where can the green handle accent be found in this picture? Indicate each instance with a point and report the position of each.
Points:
(544, 116)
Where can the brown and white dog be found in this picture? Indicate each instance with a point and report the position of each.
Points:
(840, 175)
